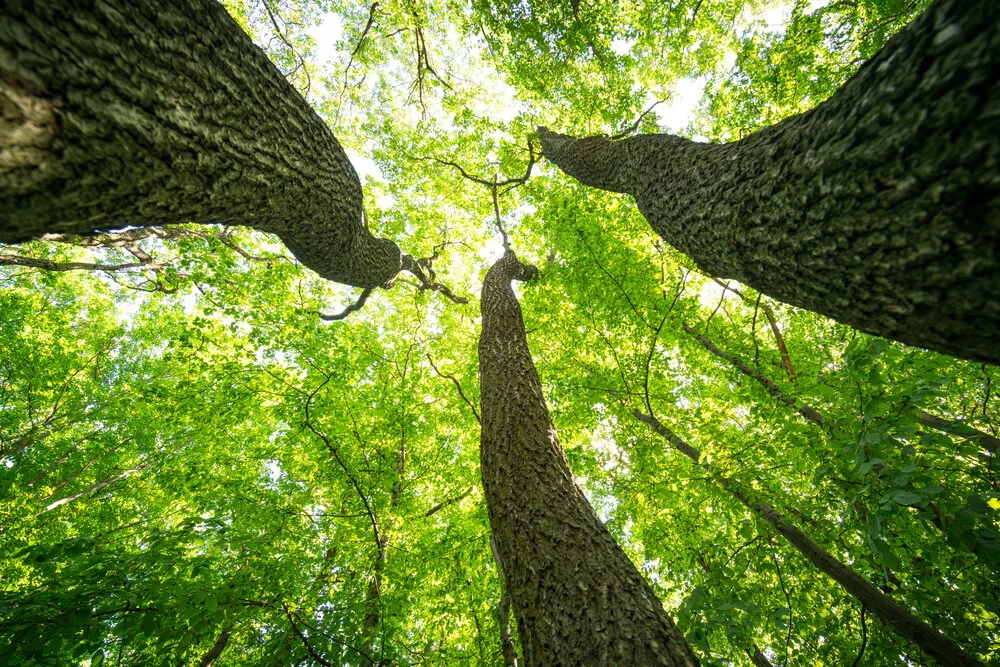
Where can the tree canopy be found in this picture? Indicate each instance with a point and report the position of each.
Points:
(212, 454)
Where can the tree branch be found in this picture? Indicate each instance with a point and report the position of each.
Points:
(458, 386)
(357, 305)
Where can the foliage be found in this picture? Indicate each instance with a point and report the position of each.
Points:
(190, 453)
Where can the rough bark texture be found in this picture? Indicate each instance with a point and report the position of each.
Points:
(133, 112)
(942, 649)
(577, 597)
(879, 208)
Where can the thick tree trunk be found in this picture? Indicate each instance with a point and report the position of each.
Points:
(133, 112)
(942, 649)
(577, 597)
(879, 208)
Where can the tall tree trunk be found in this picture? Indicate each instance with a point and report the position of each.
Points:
(879, 208)
(942, 649)
(374, 596)
(577, 597)
(134, 112)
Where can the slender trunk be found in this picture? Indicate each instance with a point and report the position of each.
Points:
(985, 440)
(220, 644)
(134, 112)
(879, 208)
(506, 636)
(943, 650)
(94, 487)
(758, 658)
(373, 599)
(577, 597)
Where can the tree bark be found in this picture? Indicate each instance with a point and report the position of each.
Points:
(133, 112)
(577, 597)
(217, 648)
(758, 658)
(943, 650)
(879, 208)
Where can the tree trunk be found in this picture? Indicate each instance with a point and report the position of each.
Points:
(942, 649)
(373, 599)
(133, 112)
(220, 645)
(577, 597)
(879, 208)
(758, 658)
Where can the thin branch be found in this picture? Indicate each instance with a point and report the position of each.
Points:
(445, 503)
(281, 35)
(336, 456)
(864, 638)
(312, 652)
(458, 386)
(649, 358)
(635, 126)
(788, 601)
(357, 305)
(48, 265)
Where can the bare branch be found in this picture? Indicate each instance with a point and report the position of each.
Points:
(445, 503)
(458, 386)
(411, 265)
(357, 305)
(635, 126)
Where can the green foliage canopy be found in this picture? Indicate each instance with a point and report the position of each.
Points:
(190, 452)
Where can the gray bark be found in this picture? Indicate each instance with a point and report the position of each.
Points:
(134, 112)
(879, 208)
(577, 597)
(943, 650)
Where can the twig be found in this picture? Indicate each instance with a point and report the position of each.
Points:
(635, 126)
(283, 38)
(458, 386)
(864, 638)
(357, 305)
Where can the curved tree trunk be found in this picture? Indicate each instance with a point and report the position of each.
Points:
(943, 650)
(879, 208)
(577, 597)
(133, 112)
